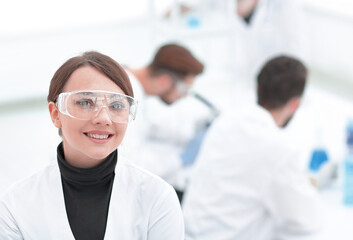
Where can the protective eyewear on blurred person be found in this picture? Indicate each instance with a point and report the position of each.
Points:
(182, 87)
(87, 104)
(178, 82)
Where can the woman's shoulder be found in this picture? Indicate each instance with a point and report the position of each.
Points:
(145, 195)
(139, 173)
(32, 181)
(131, 174)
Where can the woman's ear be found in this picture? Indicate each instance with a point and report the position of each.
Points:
(54, 114)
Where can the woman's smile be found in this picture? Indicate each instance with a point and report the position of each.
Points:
(98, 136)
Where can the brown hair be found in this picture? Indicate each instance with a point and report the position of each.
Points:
(102, 63)
(177, 59)
(280, 79)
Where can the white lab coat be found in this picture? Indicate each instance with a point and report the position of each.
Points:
(276, 28)
(152, 146)
(246, 184)
(142, 206)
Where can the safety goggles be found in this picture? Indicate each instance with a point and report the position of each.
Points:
(178, 82)
(182, 88)
(87, 104)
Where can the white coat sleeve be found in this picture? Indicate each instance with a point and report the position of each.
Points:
(8, 227)
(166, 219)
(295, 202)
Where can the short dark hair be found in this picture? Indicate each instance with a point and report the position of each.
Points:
(280, 79)
(177, 59)
(101, 62)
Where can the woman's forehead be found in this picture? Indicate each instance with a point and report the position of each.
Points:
(89, 78)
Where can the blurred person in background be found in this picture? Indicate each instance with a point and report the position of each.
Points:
(246, 182)
(154, 144)
(258, 30)
(91, 101)
(265, 28)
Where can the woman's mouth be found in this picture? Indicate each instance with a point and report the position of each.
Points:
(98, 137)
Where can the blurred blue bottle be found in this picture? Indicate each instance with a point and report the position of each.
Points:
(348, 168)
(318, 158)
(193, 21)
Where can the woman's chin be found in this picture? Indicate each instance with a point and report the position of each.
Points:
(99, 156)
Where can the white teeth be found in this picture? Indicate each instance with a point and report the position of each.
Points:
(98, 136)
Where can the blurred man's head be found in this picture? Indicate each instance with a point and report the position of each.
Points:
(280, 84)
(172, 72)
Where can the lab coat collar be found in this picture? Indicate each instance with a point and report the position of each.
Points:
(254, 113)
(259, 15)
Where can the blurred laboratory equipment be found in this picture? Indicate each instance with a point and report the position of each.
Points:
(318, 158)
(322, 170)
(348, 168)
(214, 110)
(192, 148)
(195, 13)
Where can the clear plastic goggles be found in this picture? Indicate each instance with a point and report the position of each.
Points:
(182, 87)
(87, 104)
(178, 82)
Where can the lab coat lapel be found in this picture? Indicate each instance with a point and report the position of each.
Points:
(117, 217)
(111, 230)
(48, 209)
(59, 211)
(125, 216)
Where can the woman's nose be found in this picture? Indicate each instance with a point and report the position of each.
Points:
(102, 116)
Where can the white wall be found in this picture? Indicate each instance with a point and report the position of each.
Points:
(29, 62)
(330, 38)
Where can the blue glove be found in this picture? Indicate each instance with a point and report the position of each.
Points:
(191, 150)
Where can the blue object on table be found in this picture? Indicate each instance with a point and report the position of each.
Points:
(189, 154)
(192, 149)
(348, 168)
(193, 22)
(318, 158)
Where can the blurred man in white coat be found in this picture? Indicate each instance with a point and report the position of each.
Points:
(265, 28)
(246, 182)
(168, 77)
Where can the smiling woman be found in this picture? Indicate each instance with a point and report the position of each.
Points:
(91, 101)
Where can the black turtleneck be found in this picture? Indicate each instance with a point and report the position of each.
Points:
(87, 194)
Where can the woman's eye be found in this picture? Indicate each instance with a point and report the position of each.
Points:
(84, 103)
(117, 105)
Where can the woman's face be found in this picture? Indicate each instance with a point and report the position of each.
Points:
(82, 146)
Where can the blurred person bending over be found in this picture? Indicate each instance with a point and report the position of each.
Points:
(246, 182)
(168, 77)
